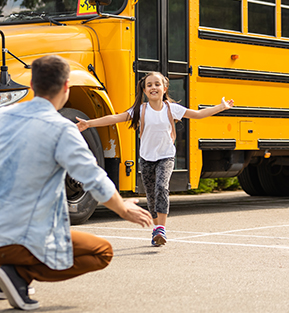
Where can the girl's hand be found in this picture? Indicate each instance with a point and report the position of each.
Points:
(227, 104)
(82, 125)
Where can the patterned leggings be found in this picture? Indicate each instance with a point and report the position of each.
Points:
(156, 177)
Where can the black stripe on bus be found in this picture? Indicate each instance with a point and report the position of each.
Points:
(251, 112)
(249, 40)
(280, 144)
(217, 144)
(233, 73)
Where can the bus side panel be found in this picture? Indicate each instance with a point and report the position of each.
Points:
(116, 49)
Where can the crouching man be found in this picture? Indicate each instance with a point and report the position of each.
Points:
(37, 148)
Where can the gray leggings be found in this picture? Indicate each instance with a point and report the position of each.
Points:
(156, 178)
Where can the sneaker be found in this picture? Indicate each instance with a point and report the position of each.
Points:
(16, 289)
(153, 235)
(159, 237)
(31, 291)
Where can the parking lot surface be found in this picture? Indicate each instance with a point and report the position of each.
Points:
(226, 252)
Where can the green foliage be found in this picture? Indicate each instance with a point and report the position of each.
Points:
(230, 183)
(216, 184)
(207, 185)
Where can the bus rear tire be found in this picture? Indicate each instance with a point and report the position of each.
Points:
(81, 204)
(249, 181)
(274, 178)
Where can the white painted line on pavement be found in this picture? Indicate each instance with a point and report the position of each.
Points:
(254, 236)
(199, 234)
(248, 236)
(232, 244)
(233, 231)
(205, 242)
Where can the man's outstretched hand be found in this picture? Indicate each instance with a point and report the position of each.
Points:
(136, 214)
(128, 210)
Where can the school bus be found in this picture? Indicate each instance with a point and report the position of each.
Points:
(208, 49)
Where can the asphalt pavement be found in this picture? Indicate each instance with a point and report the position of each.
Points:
(226, 252)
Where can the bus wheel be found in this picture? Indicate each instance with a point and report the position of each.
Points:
(81, 204)
(249, 181)
(274, 177)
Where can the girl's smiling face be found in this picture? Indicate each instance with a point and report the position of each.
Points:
(154, 87)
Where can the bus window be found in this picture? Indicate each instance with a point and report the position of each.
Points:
(178, 93)
(22, 11)
(177, 30)
(223, 14)
(285, 18)
(261, 17)
(148, 31)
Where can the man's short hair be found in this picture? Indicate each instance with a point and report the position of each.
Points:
(49, 74)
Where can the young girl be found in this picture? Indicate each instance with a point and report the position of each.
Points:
(157, 136)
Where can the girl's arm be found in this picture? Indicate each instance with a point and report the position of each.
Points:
(102, 121)
(225, 105)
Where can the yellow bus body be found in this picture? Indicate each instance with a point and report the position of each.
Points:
(221, 63)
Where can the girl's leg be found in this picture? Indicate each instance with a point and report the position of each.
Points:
(164, 171)
(148, 179)
(162, 219)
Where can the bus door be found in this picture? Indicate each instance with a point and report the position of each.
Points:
(162, 45)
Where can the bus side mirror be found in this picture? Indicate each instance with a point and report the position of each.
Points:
(6, 83)
(99, 2)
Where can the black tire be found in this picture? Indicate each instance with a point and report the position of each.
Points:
(249, 181)
(81, 204)
(274, 178)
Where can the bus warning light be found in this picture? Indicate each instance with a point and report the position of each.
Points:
(267, 154)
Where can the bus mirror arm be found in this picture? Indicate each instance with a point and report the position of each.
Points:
(91, 69)
(130, 18)
(6, 83)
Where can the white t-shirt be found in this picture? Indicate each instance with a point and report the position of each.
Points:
(156, 142)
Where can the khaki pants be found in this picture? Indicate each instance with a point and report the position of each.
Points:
(90, 254)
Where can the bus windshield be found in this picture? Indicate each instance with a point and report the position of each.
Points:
(22, 11)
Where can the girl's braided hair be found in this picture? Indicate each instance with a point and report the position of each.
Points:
(139, 99)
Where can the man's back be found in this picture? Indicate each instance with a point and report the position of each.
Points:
(29, 133)
(32, 193)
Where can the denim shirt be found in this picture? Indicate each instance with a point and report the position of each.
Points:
(37, 147)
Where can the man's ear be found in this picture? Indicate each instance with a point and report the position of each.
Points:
(31, 84)
(66, 85)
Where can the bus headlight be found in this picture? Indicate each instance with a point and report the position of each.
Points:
(9, 97)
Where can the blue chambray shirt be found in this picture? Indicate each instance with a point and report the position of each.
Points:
(37, 147)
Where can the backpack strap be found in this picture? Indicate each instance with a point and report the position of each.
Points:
(170, 116)
(171, 119)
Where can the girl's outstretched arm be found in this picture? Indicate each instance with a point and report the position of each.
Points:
(102, 121)
(224, 105)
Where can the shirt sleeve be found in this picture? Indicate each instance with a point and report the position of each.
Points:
(73, 154)
(178, 110)
(130, 112)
